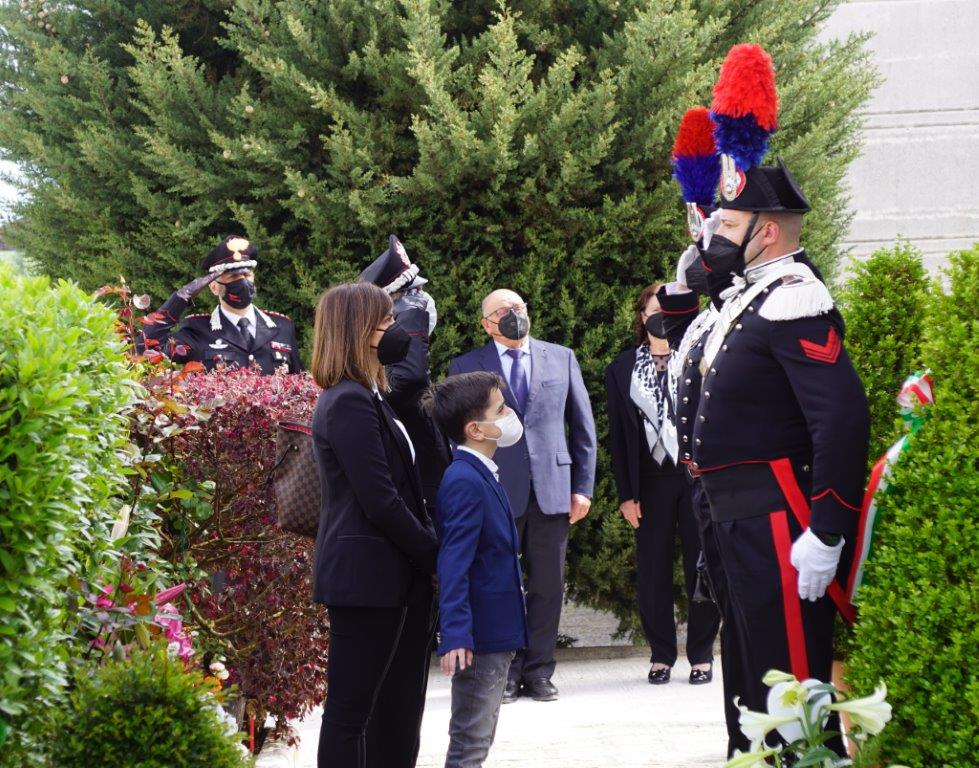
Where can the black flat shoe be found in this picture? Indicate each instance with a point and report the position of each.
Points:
(540, 690)
(659, 676)
(511, 692)
(701, 676)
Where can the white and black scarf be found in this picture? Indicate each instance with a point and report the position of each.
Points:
(648, 391)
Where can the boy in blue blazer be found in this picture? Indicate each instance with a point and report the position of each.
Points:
(483, 616)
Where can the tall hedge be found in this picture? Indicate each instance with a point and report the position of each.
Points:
(522, 144)
(920, 598)
(63, 388)
(883, 303)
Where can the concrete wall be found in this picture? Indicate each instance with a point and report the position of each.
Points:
(919, 165)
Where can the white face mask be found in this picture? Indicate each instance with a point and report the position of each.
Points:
(511, 430)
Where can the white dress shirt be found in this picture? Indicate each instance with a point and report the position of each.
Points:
(507, 362)
(249, 313)
(489, 463)
(411, 445)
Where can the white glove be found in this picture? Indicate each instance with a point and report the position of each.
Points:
(710, 227)
(433, 314)
(687, 258)
(816, 563)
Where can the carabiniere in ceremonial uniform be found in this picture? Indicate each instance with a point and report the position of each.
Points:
(237, 334)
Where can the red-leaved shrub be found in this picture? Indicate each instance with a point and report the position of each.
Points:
(259, 599)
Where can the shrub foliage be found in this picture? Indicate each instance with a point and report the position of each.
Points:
(64, 388)
(920, 596)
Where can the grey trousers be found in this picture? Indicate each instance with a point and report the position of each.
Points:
(477, 693)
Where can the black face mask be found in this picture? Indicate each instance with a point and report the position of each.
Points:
(655, 326)
(393, 346)
(239, 294)
(514, 326)
(724, 256)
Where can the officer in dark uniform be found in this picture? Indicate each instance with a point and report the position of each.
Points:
(236, 333)
(414, 310)
(780, 434)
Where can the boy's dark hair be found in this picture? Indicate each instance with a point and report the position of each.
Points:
(457, 400)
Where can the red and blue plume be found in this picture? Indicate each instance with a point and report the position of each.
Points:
(696, 163)
(745, 107)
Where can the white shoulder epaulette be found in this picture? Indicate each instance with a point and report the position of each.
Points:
(798, 295)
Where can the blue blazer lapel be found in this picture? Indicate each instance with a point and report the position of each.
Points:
(486, 475)
(538, 362)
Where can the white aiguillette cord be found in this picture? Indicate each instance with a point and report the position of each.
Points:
(736, 305)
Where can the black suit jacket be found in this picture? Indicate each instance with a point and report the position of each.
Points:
(626, 437)
(376, 544)
(409, 381)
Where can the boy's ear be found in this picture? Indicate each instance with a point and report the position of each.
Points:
(472, 431)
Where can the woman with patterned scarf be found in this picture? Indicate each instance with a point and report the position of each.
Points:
(654, 494)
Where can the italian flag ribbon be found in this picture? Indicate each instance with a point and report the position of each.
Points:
(916, 395)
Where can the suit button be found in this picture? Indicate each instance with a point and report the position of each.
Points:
(687, 382)
(751, 309)
(707, 395)
(697, 441)
(683, 419)
(686, 400)
(251, 357)
(724, 347)
(703, 419)
(805, 467)
(764, 290)
(739, 326)
(686, 439)
(713, 371)
(686, 456)
(695, 465)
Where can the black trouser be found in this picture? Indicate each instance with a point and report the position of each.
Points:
(378, 672)
(732, 661)
(778, 629)
(543, 546)
(664, 499)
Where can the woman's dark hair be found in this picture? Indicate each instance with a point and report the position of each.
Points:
(460, 399)
(638, 325)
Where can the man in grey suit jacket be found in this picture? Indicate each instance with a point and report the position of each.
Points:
(549, 475)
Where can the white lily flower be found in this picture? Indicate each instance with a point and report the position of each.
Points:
(870, 713)
(774, 676)
(785, 700)
(757, 725)
(752, 759)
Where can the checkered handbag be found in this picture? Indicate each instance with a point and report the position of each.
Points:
(296, 479)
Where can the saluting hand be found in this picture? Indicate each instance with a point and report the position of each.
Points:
(197, 285)
(580, 504)
(461, 656)
(631, 512)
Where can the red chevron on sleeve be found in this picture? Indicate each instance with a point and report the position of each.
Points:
(823, 353)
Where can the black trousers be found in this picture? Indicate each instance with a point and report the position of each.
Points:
(776, 628)
(543, 546)
(732, 647)
(665, 502)
(378, 673)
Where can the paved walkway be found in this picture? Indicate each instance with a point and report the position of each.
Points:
(607, 716)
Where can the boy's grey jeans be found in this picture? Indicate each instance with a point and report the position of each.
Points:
(477, 693)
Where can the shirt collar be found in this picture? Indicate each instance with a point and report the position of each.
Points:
(249, 313)
(754, 274)
(487, 462)
(502, 349)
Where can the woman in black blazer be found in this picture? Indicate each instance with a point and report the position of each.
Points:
(376, 546)
(654, 494)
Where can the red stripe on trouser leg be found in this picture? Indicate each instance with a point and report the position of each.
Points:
(785, 477)
(794, 631)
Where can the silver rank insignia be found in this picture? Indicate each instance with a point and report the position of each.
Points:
(219, 344)
(695, 221)
(732, 178)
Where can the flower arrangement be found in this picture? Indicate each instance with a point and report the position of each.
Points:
(800, 712)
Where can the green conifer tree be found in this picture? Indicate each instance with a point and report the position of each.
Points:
(523, 144)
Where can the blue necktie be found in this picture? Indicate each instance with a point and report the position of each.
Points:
(518, 379)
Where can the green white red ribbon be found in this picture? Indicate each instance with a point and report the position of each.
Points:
(916, 395)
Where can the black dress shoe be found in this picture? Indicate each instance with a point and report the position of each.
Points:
(511, 691)
(701, 676)
(541, 690)
(659, 676)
